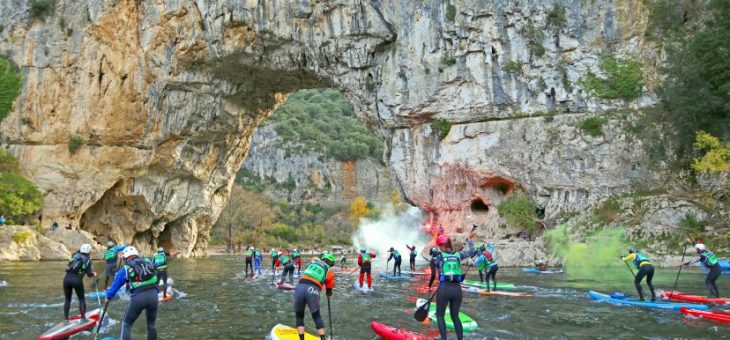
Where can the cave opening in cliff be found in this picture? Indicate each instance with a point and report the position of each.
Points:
(478, 207)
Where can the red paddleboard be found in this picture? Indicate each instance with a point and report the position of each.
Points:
(713, 315)
(391, 333)
(692, 298)
(75, 325)
(167, 298)
(284, 286)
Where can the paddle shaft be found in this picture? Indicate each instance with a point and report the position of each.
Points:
(684, 252)
(101, 319)
(329, 312)
(631, 270)
(96, 285)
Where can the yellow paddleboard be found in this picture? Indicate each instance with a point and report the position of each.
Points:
(281, 332)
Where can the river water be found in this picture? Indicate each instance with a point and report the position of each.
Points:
(220, 305)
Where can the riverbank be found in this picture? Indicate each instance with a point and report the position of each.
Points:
(25, 243)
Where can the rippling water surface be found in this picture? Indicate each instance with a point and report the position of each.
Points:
(220, 305)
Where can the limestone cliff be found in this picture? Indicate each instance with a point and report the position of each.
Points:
(315, 177)
(166, 95)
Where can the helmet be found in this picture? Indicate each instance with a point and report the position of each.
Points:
(110, 244)
(160, 249)
(280, 253)
(129, 251)
(329, 258)
(391, 249)
(442, 240)
(362, 250)
(633, 250)
(250, 248)
(85, 248)
(295, 249)
(700, 246)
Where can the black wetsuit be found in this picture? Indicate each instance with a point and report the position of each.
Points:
(146, 300)
(307, 294)
(434, 267)
(448, 294)
(492, 272)
(249, 264)
(715, 271)
(74, 281)
(397, 260)
(648, 271)
(288, 270)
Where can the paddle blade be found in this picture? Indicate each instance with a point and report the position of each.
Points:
(422, 312)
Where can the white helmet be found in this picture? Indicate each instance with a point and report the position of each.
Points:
(129, 251)
(295, 249)
(85, 248)
(280, 253)
(700, 246)
(110, 244)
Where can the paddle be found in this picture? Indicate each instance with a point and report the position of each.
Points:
(329, 311)
(422, 310)
(96, 286)
(101, 319)
(386, 267)
(674, 288)
(631, 270)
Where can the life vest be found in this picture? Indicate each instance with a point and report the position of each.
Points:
(710, 258)
(365, 257)
(284, 259)
(249, 253)
(160, 260)
(640, 260)
(295, 254)
(258, 253)
(140, 275)
(451, 267)
(317, 270)
(274, 254)
(413, 252)
(77, 264)
(110, 255)
(396, 255)
(488, 255)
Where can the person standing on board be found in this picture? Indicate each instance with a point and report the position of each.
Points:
(364, 260)
(395, 255)
(78, 266)
(343, 259)
(412, 257)
(274, 258)
(710, 261)
(643, 264)
(448, 293)
(160, 261)
(249, 260)
(288, 263)
(316, 275)
(139, 276)
(297, 260)
(434, 252)
(257, 257)
(110, 257)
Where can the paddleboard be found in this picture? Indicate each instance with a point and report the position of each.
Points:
(476, 283)
(713, 315)
(391, 333)
(481, 291)
(285, 286)
(467, 322)
(395, 277)
(281, 332)
(364, 287)
(537, 271)
(692, 298)
(412, 273)
(648, 304)
(75, 325)
(94, 295)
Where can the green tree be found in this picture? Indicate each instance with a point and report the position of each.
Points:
(10, 84)
(518, 211)
(19, 198)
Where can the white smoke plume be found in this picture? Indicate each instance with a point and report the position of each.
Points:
(392, 230)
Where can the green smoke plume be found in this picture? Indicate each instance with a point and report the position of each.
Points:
(592, 258)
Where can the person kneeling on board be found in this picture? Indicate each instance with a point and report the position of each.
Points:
(645, 268)
(307, 293)
(448, 293)
(288, 264)
(139, 276)
(395, 255)
(79, 265)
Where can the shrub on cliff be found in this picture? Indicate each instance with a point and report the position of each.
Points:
(19, 198)
(518, 211)
(622, 79)
(21, 237)
(10, 84)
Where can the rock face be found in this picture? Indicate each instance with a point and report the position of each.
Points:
(166, 95)
(316, 178)
(55, 245)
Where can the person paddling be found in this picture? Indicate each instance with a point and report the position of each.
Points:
(274, 258)
(343, 260)
(434, 252)
(297, 260)
(395, 255)
(492, 266)
(286, 261)
(364, 260)
(110, 257)
(79, 265)
(643, 264)
(257, 257)
(710, 261)
(138, 274)
(412, 257)
(317, 274)
(160, 261)
(448, 293)
(249, 260)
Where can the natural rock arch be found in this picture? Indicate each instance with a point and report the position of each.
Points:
(166, 95)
